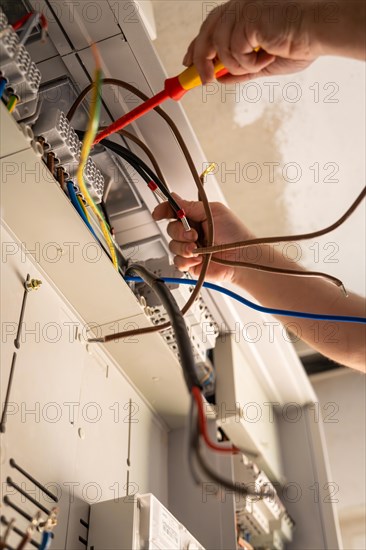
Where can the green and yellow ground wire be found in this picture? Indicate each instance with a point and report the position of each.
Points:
(12, 103)
(92, 128)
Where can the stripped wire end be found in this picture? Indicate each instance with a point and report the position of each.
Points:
(44, 28)
(155, 189)
(28, 22)
(210, 168)
(181, 215)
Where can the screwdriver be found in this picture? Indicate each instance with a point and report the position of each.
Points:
(174, 88)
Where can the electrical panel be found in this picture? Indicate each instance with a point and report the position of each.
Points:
(139, 523)
(94, 434)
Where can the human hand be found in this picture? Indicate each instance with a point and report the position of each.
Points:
(283, 30)
(228, 228)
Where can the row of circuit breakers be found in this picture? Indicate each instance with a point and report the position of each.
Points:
(143, 523)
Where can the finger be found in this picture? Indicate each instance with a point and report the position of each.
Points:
(188, 58)
(263, 60)
(252, 62)
(203, 50)
(184, 264)
(182, 249)
(163, 212)
(194, 210)
(195, 270)
(177, 232)
(239, 44)
(221, 40)
(203, 60)
(234, 79)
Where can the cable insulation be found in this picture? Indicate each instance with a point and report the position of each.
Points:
(92, 128)
(196, 392)
(196, 178)
(285, 238)
(176, 320)
(257, 307)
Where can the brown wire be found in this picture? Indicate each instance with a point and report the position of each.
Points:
(258, 267)
(61, 178)
(276, 270)
(280, 271)
(285, 238)
(51, 162)
(202, 194)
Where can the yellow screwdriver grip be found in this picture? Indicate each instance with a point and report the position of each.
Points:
(191, 79)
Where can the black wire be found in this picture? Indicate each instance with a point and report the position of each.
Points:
(176, 319)
(192, 438)
(194, 451)
(139, 165)
(124, 151)
(236, 488)
(143, 169)
(105, 214)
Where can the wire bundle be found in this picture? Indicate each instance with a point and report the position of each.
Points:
(87, 144)
(196, 178)
(198, 427)
(153, 181)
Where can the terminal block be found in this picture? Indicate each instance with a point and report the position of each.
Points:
(8, 39)
(22, 75)
(62, 140)
(266, 521)
(201, 325)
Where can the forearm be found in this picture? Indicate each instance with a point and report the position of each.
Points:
(339, 28)
(342, 342)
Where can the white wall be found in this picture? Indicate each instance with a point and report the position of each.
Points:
(310, 125)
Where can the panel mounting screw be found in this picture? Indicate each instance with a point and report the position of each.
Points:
(32, 284)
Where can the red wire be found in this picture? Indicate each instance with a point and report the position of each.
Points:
(21, 22)
(196, 392)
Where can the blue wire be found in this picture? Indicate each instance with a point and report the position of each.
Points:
(76, 204)
(252, 305)
(3, 83)
(46, 540)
